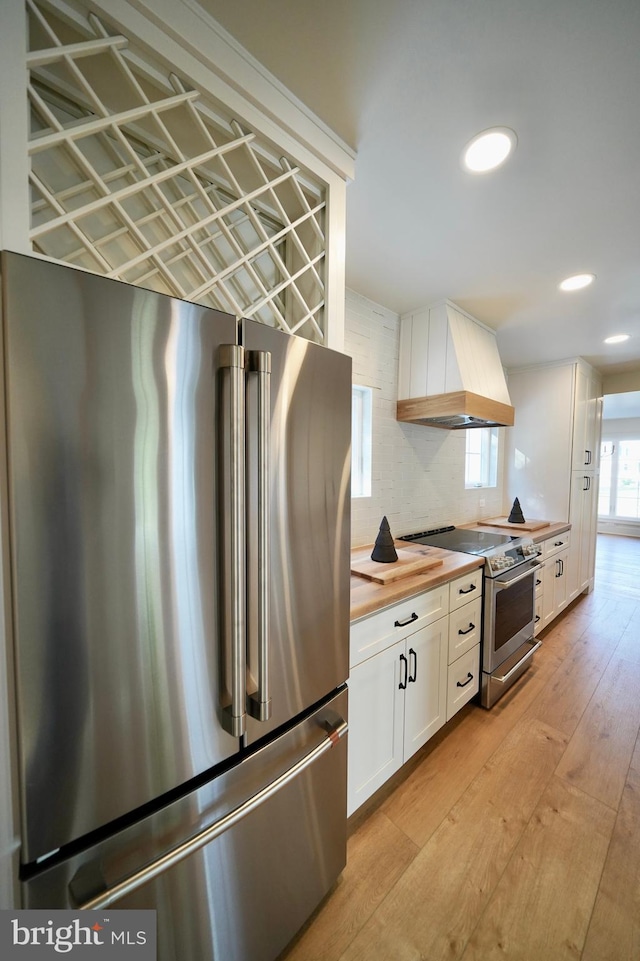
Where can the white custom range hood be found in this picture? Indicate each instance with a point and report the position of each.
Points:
(450, 373)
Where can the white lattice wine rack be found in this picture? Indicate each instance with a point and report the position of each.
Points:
(136, 176)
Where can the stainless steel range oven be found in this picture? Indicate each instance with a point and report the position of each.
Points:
(510, 568)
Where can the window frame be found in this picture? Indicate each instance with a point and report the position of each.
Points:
(485, 455)
(361, 440)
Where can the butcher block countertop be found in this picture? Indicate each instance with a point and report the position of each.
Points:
(368, 596)
(553, 528)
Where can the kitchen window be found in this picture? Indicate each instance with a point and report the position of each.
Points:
(481, 457)
(361, 440)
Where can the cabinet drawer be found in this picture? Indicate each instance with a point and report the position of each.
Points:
(373, 634)
(539, 583)
(538, 620)
(464, 680)
(465, 628)
(465, 589)
(555, 544)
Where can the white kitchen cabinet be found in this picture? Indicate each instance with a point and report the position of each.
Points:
(538, 446)
(556, 576)
(464, 589)
(426, 686)
(370, 635)
(465, 632)
(397, 700)
(376, 724)
(584, 520)
(588, 413)
(463, 680)
(556, 544)
(406, 662)
(465, 628)
(538, 602)
(553, 452)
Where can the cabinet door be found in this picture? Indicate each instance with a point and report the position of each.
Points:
(583, 517)
(555, 593)
(548, 577)
(561, 581)
(593, 428)
(538, 452)
(588, 412)
(426, 693)
(376, 710)
(581, 452)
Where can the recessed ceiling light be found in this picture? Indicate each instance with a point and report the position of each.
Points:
(616, 339)
(577, 282)
(488, 149)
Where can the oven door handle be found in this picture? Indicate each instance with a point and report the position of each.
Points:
(502, 585)
(505, 677)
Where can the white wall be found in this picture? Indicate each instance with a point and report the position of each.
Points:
(418, 472)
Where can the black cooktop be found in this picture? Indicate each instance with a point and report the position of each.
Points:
(460, 539)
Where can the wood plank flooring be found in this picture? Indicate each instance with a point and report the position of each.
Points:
(514, 833)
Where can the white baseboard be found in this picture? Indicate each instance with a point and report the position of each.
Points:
(627, 528)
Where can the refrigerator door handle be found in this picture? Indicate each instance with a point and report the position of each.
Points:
(259, 702)
(335, 732)
(232, 520)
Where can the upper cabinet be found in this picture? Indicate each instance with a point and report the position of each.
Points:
(587, 418)
(552, 461)
(450, 374)
(557, 430)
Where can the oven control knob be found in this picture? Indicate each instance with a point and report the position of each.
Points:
(500, 562)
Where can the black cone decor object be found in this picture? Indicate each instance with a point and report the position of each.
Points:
(516, 516)
(383, 549)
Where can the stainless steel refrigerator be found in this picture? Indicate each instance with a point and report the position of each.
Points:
(178, 487)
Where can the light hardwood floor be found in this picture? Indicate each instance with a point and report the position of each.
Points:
(514, 833)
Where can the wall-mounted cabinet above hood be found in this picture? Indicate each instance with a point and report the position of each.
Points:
(450, 374)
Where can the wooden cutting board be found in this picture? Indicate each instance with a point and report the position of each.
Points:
(409, 562)
(504, 522)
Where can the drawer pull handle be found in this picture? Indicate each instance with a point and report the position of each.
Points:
(538, 582)
(536, 619)
(471, 627)
(464, 683)
(409, 620)
(403, 683)
(461, 590)
(413, 676)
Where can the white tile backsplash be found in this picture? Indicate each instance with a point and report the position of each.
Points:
(418, 472)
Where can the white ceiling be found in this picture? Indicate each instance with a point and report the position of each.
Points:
(407, 83)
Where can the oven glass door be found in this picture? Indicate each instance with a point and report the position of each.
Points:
(514, 611)
(510, 611)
